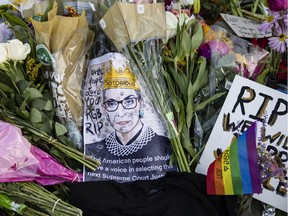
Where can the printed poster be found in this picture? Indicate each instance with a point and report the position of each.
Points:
(121, 127)
(248, 102)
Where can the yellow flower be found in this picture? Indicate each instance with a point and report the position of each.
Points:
(182, 62)
(241, 59)
(32, 69)
(72, 11)
(206, 28)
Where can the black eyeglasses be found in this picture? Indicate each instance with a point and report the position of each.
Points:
(128, 103)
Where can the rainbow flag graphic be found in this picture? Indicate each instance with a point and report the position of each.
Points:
(236, 171)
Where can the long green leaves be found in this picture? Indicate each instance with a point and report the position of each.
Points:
(186, 74)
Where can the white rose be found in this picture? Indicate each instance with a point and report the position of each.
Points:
(3, 52)
(17, 50)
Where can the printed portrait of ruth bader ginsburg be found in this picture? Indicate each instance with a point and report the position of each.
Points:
(133, 150)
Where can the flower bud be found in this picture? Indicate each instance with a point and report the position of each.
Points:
(196, 6)
(277, 5)
(17, 50)
(3, 52)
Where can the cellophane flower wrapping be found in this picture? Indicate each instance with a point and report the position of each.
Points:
(67, 39)
(20, 161)
(230, 55)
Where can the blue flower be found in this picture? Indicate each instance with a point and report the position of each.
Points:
(5, 33)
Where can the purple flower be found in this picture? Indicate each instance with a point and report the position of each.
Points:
(285, 19)
(277, 5)
(204, 50)
(270, 22)
(5, 33)
(280, 42)
(219, 47)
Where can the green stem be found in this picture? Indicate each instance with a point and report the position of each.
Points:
(236, 6)
(257, 17)
(256, 3)
(158, 101)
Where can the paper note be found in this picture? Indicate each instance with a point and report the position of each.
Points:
(244, 27)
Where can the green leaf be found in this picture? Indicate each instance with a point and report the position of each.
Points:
(202, 76)
(261, 78)
(49, 106)
(203, 104)
(180, 79)
(172, 46)
(181, 118)
(167, 59)
(22, 85)
(32, 93)
(39, 103)
(23, 114)
(197, 38)
(23, 104)
(14, 20)
(8, 103)
(46, 126)
(6, 88)
(190, 105)
(174, 101)
(190, 23)
(187, 145)
(35, 115)
(179, 51)
(5, 79)
(171, 89)
(35, 138)
(42, 104)
(185, 42)
(60, 129)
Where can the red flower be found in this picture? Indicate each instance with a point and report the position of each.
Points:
(277, 5)
(261, 42)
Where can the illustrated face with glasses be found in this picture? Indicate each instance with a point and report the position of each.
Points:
(122, 108)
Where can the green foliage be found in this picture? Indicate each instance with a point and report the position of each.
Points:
(186, 75)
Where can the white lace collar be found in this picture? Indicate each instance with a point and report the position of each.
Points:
(118, 149)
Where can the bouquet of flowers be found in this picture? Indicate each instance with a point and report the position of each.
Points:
(26, 101)
(21, 161)
(184, 64)
(272, 18)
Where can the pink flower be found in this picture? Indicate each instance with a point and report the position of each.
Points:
(219, 47)
(277, 5)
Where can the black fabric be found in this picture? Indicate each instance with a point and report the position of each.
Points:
(175, 194)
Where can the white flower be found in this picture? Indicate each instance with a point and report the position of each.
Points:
(17, 50)
(3, 52)
(171, 25)
(186, 2)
